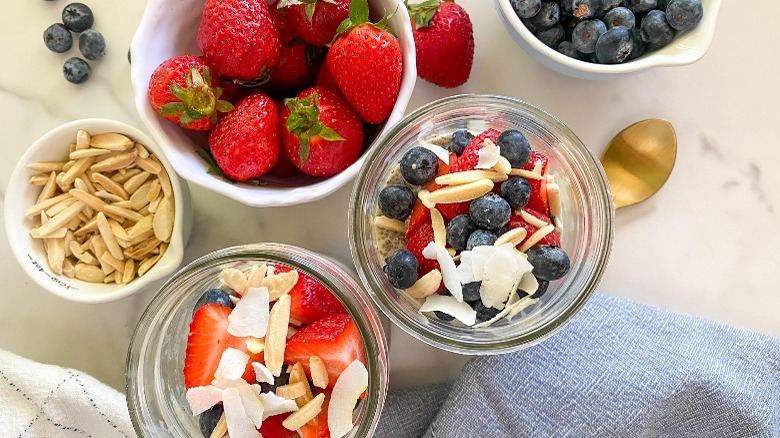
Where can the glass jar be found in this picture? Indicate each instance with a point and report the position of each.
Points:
(154, 375)
(587, 218)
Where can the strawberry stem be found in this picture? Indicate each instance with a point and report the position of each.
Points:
(422, 13)
(304, 123)
(358, 14)
(197, 100)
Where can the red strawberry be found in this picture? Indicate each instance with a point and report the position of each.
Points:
(417, 243)
(538, 200)
(322, 134)
(296, 68)
(186, 91)
(272, 427)
(207, 340)
(324, 78)
(320, 428)
(335, 339)
(316, 21)
(239, 38)
(284, 168)
(516, 221)
(310, 300)
(245, 143)
(469, 159)
(366, 63)
(444, 41)
(282, 24)
(537, 156)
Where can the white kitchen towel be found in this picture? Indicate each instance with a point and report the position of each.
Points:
(46, 401)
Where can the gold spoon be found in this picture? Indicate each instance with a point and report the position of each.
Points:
(639, 160)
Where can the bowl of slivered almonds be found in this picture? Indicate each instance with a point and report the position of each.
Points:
(94, 211)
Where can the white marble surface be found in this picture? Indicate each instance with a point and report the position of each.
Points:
(707, 244)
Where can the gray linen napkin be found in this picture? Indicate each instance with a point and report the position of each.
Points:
(620, 369)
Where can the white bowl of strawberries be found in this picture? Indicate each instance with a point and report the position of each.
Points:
(259, 103)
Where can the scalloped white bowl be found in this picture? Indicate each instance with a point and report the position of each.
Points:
(686, 48)
(167, 29)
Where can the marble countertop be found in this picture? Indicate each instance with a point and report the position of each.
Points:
(707, 244)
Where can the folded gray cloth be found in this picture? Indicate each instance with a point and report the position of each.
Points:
(620, 369)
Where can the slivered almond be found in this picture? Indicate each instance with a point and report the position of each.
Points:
(108, 237)
(152, 207)
(426, 285)
(89, 273)
(79, 167)
(318, 371)
(69, 238)
(538, 167)
(108, 196)
(554, 198)
(59, 221)
(140, 227)
(165, 181)
(123, 212)
(110, 185)
(503, 166)
(49, 189)
(132, 184)
(147, 264)
(527, 174)
(149, 165)
(113, 163)
(124, 204)
(119, 232)
(129, 271)
(536, 237)
(68, 269)
(83, 256)
(390, 224)
(154, 190)
(452, 179)
(45, 204)
(305, 413)
(138, 199)
(112, 141)
(514, 236)
(280, 284)
(46, 166)
(163, 220)
(135, 240)
(123, 175)
(110, 278)
(461, 193)
(297, 374)
(87, 228)
(220, 430)
(141, 150)
(531, 219)
(59, 207)
(82, 139)
(56, 254)
(439, 230)
(276, 336)
(291, 391)
(234, 279)
(90, 200)
(113, 262)
(255, 345)
(256, 275)
(143, 248)
(84, 153)
(39, 179)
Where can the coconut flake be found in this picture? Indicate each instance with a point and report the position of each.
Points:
(449, 305)
(500, 275)
(275, 405)
(352, 382)
(429, 252)
(464, 269)
(488, 154)
(528, 283)
(252, 404)
(479, 256)
(202, 398)
(238, 423)
(234, 279)
(250, 316)
(440, 152)
(519, 307)
(449, 273)
(491, 321)
(262, 373)
(232, 364)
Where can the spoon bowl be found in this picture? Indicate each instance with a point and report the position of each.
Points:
(639, 160)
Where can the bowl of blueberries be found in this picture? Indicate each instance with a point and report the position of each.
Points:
(601, 39)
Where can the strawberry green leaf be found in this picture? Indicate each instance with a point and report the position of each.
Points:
(422, 13)
(358, 11)
(309, 9)
(209, 159)
(330, 134)
(172, 109)
(304, 123)
(224, 106)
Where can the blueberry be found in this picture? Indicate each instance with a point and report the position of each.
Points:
(443, 316)
(638, 46)
(549, 262)
(481, 238)
(620, 17)
(526, 8)
(210, 418)
(543, 285)
(419, 165)
(490, 211)
(77, 17)
(586, 34)
(569, 23)
(514, 147)
(396, 201)
(76, 70)
(484, 313)
(547, 17)
(567, 48)
(458, 231)
(684, 15)
(663, 4)
(460, 139)
(92, 45)
(637, 6)
(608, 5)
(401, 269)
(516, 191)
(529, 25)
(552, 36)
(58, 38)
(581, 9)
(216, 296)
(282, 380)
(614, 46)
(655, 30)
(471, 291)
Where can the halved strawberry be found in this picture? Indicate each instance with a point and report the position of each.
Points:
(320, 427)
(272, 427)
(537, 156)
(538, 200)
(310, 300)
(469, 159)
(516, 221)
(207, 340)
(335, 339)
(417, 242)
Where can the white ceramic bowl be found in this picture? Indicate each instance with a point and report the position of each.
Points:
(686, 48)
(21, 195)
(167, 29)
